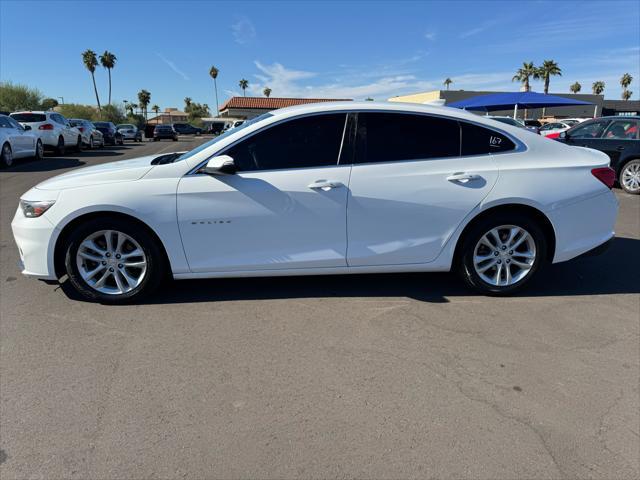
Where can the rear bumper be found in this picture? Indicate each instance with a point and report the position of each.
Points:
(583, 225)
(599, 250)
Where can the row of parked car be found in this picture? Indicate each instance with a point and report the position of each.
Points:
(30, 134)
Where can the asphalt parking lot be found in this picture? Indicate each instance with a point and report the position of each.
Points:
(380, 376)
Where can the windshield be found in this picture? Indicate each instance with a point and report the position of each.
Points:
(206, 145)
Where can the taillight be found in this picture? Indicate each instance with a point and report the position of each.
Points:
(606, 175)
(45, 126)
(81, 129)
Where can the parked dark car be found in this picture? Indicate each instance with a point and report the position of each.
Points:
(165, 131)
(110, 133)
(532, 123)
(619, 138)
(186, 129)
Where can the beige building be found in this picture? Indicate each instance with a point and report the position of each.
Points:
(250, 107)
(169, 116)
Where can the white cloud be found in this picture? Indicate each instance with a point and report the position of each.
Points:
(243, 31)
(430, 35)
(172, 66)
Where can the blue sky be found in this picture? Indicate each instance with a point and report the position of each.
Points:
(314, 49)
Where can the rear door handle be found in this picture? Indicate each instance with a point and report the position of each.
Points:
(620, 148)
(463, 177)
(325, 185)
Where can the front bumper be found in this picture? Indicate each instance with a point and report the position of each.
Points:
(35, 238)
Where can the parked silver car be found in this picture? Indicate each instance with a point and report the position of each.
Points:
(91, 136)
(130, 132)
(17, 141)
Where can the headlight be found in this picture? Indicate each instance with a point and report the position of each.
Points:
(34, 209)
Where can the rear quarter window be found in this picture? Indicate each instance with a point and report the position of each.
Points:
(477, 140)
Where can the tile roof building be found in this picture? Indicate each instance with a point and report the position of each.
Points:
(250, 107)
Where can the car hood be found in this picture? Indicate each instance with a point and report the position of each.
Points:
(123, 171)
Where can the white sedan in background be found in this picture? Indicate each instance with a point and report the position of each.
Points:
(17, 141)
(328, 188)
(53, 129)
(555, 128)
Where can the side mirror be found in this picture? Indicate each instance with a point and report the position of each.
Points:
(220, 165)
(26, 127)
(563, 135)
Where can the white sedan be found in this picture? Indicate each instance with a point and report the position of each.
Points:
(328, 188)
(555, 128)
(17, 141)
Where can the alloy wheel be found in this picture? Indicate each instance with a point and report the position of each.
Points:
(504, 255)
(631, 177)
(111, 262)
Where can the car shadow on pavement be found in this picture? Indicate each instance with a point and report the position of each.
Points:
(613, 272)
(47, 164)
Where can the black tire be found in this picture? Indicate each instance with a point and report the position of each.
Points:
(156, 264)
(6, 155)
(175, 139)
(464, 262)
(631, 166)
(60, 148)
(39, 154)
(79, 144)
(91, 145)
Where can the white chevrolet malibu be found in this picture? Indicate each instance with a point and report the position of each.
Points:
(329, 188)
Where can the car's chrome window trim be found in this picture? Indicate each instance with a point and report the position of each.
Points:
(519, 145)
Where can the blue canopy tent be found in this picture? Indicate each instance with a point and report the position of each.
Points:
(507, 100)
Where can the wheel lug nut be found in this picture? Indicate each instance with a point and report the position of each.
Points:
(504, 247)
(107, 254)
(104, 263)
(496, 253)
(499, 261)
(118, 255)
(508, 261)
(120, 265)
(111, 269)
(510, 252)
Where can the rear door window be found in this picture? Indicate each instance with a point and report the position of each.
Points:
(622, 130)
(477, 140)
(393, 137)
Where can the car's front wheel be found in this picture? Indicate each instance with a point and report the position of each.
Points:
(39, 153)
(6, 155)
(113, 260)
(60, 148)
(500, 254)
(630, 177)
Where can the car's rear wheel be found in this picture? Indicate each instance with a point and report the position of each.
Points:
(91, 144)
(39, 153)
(60, 147)
(113, 260)
(630, 177)
(79, 144)
(6, 155)
(500, 254)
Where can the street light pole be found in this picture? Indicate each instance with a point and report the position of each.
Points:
(61, 98)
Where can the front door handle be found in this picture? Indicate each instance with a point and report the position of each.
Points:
(325, 185)
(463, 177)
(620, 148)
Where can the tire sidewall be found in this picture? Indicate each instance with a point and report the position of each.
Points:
(465, 261)
(155, 259)
(39, 150)
(6, 163)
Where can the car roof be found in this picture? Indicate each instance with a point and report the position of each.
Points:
(34, 111)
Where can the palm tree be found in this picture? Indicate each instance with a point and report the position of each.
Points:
(626, 94)
(576, 87)
(548, 69)
(91, 62)
(625, 81)
(129, 107)
(598, 87)
(213, 73)
(524, 73)
(144, 97)
(244, 84)
(187, 103)
(266, 91)
(447, 82)
(108, 61)
(156, 110)
(133, 108)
